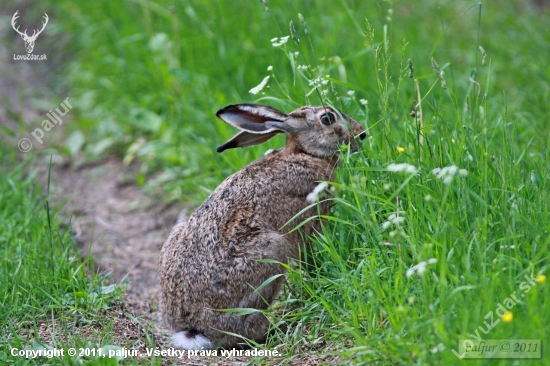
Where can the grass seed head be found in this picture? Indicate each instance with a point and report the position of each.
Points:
(439, 73)
(264, 2)
(411, 68)
(293, 33)
(304, 24)
(484, 54)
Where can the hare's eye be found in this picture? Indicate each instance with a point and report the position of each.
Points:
(327, 119)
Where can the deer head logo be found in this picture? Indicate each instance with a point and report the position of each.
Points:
(29, 40)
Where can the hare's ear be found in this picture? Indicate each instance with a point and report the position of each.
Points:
(245, 138)
(256, 122)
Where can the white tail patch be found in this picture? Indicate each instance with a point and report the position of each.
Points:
(188, 340)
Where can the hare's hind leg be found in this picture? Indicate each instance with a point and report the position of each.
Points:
(250, 326)
(246, 264)
(247, 327)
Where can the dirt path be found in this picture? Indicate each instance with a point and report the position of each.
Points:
(122, 228)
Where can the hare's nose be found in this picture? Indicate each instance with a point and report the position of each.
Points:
(359, 131)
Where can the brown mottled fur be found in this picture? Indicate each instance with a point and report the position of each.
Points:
(210, 262)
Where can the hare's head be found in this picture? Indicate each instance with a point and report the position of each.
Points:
(316, 131)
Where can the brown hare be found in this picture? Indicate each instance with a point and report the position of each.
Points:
(210, 262)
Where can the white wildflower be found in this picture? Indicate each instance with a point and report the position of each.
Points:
(440, 347)
(351, 93)
(404, 167)
(278, 42)
(318, 82)
(364, 101)
(393, 219)
(420, 268)
(260, 86)
(448, 173)
(270, 68)
(314, 196)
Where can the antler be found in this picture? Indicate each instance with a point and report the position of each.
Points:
(24, 34)
(13, 19)
(43, 26)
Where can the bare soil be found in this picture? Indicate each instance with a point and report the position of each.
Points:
(116, 223)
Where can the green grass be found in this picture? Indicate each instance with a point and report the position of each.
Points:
(46, 288)
(147, 78)
(487, 231)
